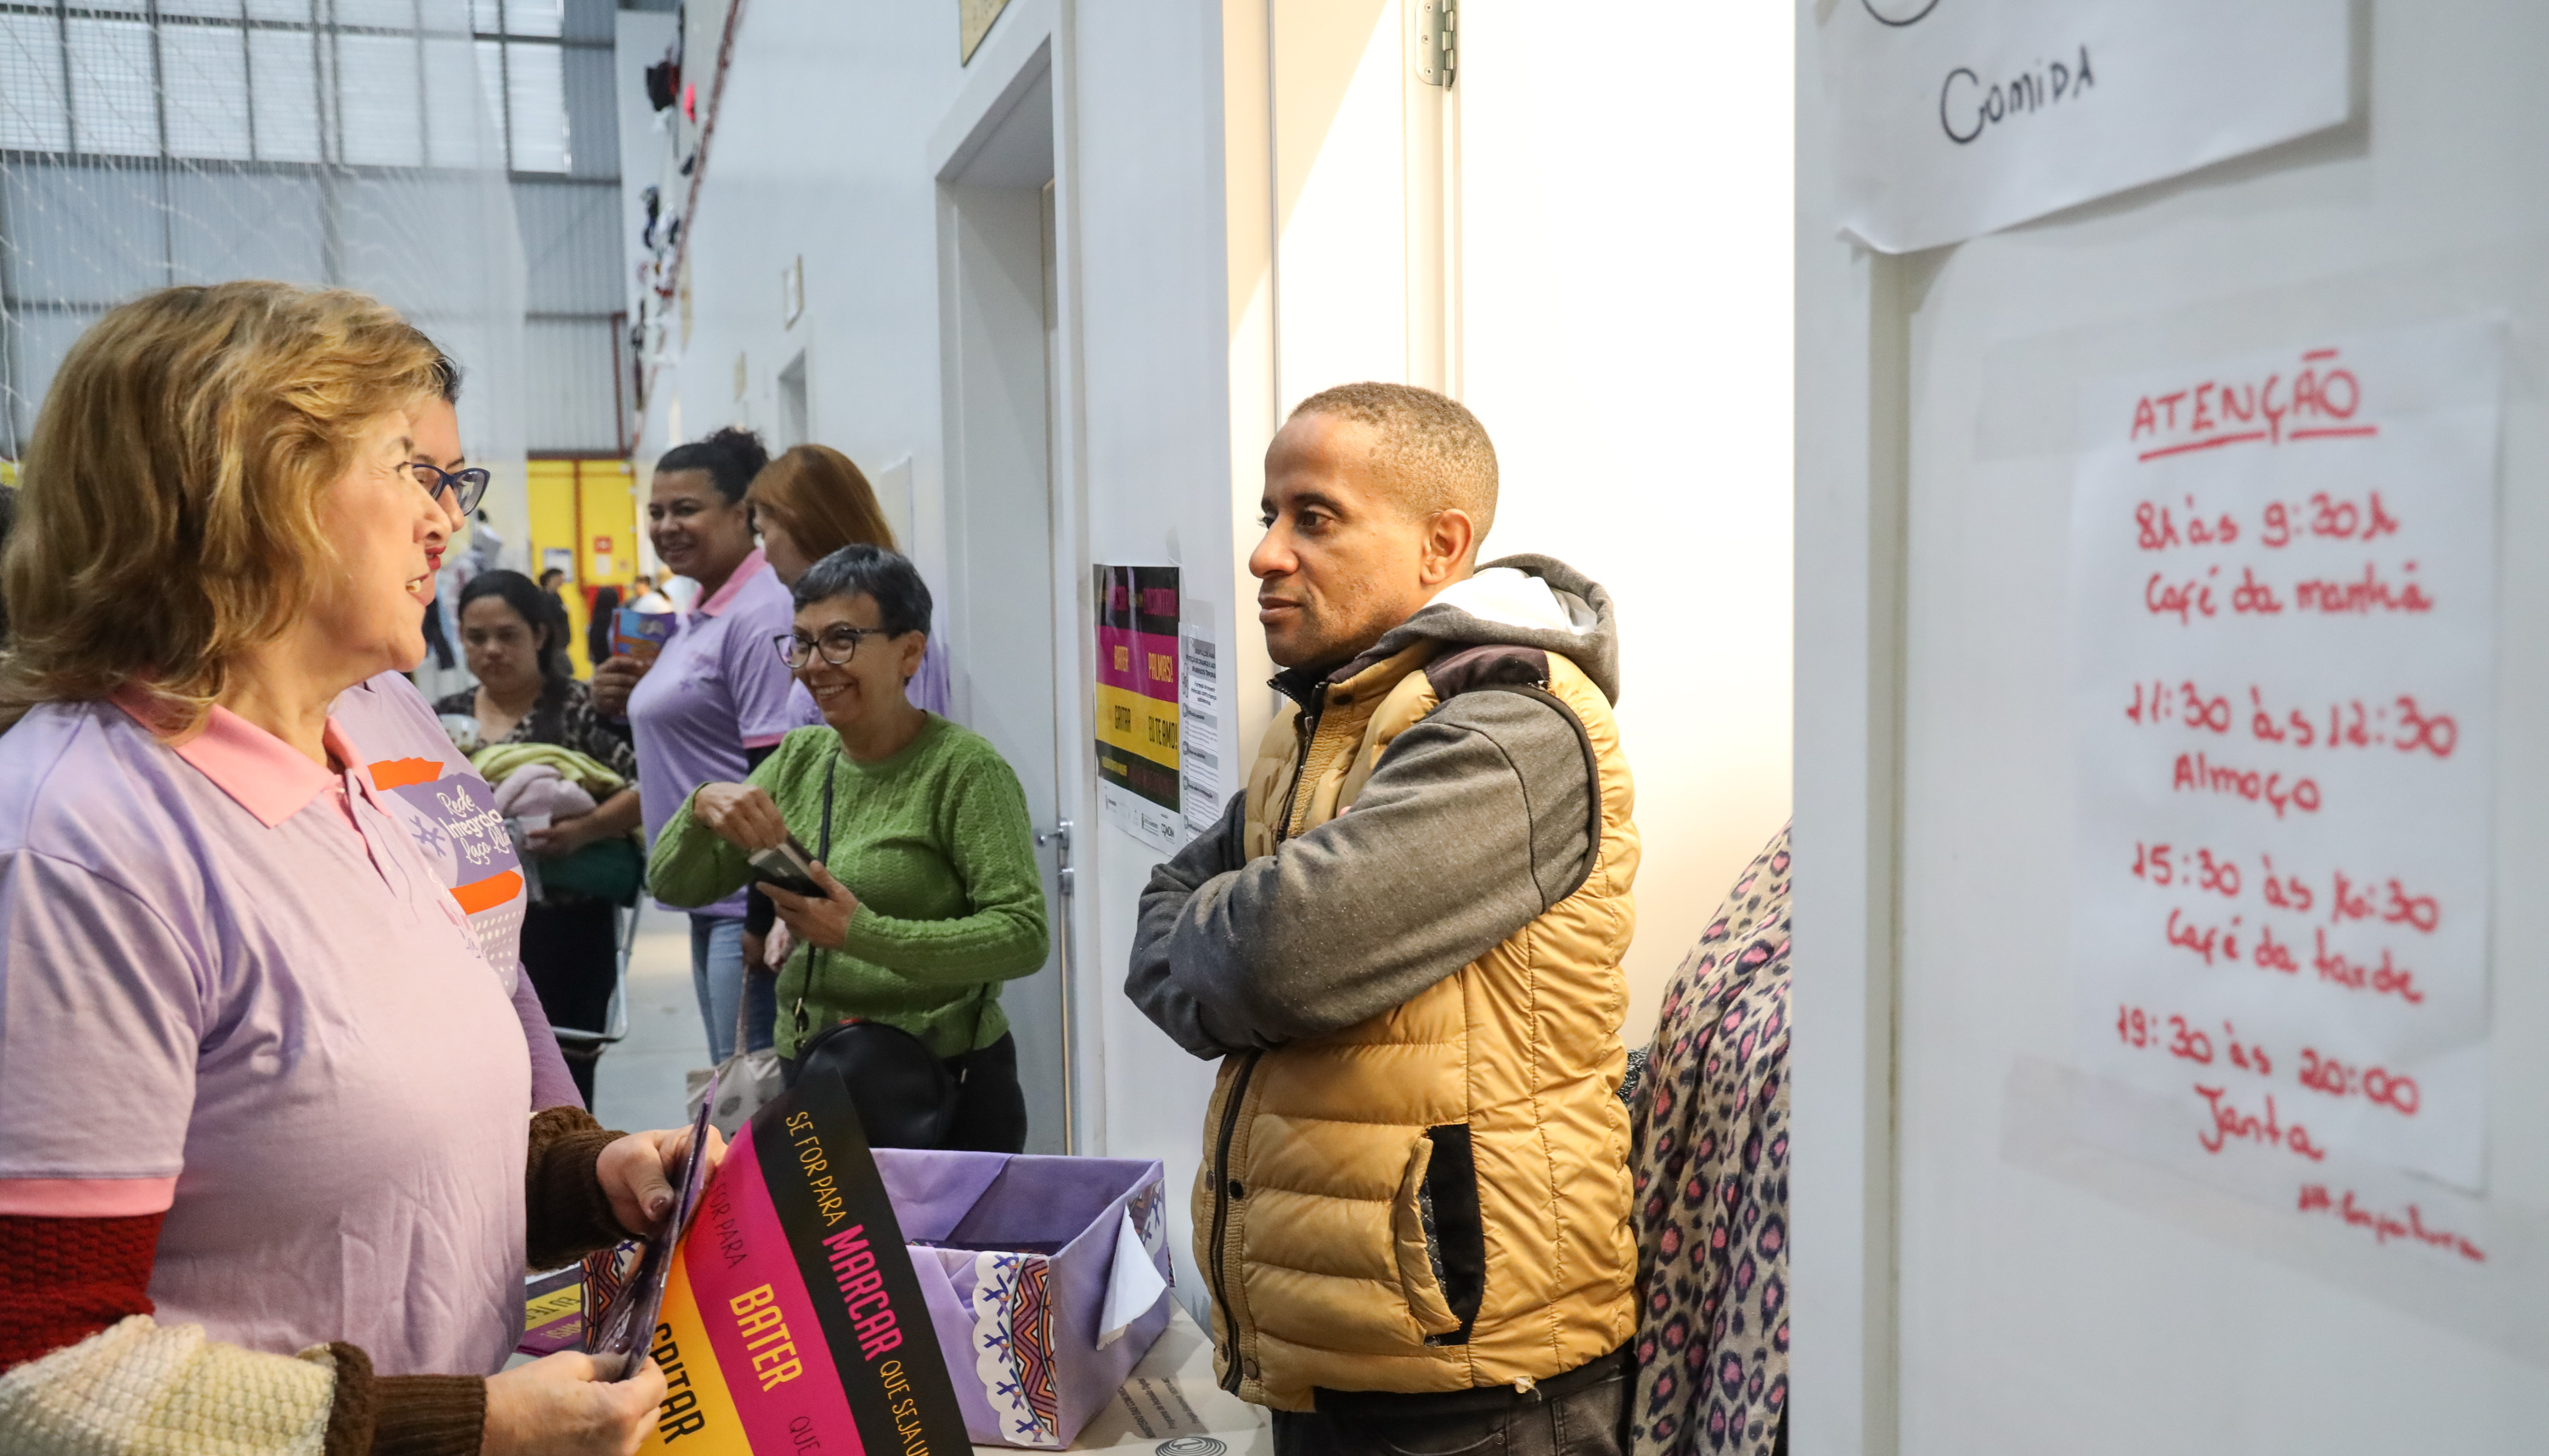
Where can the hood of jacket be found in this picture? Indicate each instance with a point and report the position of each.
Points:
(1523, 600)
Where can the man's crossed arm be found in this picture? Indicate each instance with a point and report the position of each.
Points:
(1475, 823)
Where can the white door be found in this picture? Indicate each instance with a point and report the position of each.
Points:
(1972, 1278)
(996, 297)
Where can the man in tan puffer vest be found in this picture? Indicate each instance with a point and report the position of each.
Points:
(1403, 942)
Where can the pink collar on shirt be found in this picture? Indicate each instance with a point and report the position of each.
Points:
(267, 776)
(751, 567)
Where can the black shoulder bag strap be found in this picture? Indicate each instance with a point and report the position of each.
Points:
(822, 856)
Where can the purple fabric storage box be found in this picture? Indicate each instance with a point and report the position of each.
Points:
(1047, 1279)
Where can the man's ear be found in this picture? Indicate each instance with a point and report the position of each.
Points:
(1450, 536)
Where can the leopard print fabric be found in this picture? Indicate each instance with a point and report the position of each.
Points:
(1710, 1152)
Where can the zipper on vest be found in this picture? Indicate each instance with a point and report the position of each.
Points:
(1221, 1211)
(1305, 724)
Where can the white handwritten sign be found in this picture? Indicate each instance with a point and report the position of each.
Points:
(2284, 573)
(1959, 116)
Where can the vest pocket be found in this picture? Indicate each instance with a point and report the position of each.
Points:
(1442, 1249)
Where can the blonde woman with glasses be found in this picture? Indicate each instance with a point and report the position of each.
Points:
(266, 1178)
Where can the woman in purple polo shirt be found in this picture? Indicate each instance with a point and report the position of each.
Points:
(266, 1178)
(715, 700)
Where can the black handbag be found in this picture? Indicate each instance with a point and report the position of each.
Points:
(905, 1093)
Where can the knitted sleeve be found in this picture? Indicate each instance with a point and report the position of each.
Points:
(89, 1370)
(987, 837)
(690, 866)
(63, 1279)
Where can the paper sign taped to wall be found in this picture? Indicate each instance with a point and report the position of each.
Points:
(2284, 619)
(1202, 755)
(1959, 116)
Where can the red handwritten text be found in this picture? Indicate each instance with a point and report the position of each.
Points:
(2316, 1199)
(2229, 1124)
(2318, 400)
(2197, 773)
(2385, 979)
(2374, 1085)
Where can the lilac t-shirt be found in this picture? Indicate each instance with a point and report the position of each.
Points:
(231, 990)
(449, 811)
(717, 687)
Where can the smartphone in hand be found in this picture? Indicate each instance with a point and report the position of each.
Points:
(787, 865)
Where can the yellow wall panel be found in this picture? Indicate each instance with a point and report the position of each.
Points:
(608, 553)
(556, 513)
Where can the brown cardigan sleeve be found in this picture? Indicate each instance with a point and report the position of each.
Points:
(402, 1415)
(566, 1214)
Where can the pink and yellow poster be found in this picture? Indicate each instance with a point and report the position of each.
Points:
(1137, 701)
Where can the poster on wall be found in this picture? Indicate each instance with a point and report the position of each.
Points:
(1955, 118)
(1137, 703)
(2284, 625)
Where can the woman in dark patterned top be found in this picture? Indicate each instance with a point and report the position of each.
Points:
(527, 694)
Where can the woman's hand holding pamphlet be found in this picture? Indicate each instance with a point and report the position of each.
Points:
(779, 1300)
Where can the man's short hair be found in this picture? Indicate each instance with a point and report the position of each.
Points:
(1432, 450)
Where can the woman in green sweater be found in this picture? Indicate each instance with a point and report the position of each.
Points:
(931, 896)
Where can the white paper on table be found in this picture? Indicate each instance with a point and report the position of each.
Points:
(1133, 1285)
(2092, 97)
(2204, 725)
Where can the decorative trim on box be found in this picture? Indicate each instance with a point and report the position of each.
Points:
(1013, 1352)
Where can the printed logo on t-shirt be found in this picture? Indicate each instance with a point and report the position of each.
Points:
(451, 819)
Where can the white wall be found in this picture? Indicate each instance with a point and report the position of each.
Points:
(1624, 333)
(818, 150)
(1616, 273)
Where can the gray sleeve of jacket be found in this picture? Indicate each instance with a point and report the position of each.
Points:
(1476, 821)
(1151, 985)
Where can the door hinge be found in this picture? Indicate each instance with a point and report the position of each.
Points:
(1435, 41)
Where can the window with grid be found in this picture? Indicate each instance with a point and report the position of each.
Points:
(282, 81)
